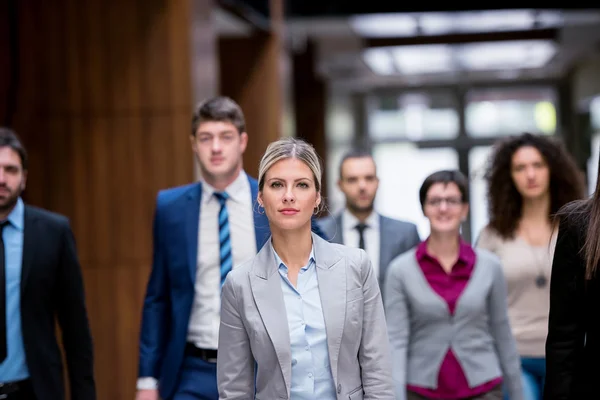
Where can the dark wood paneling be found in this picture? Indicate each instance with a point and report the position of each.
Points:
(105, 95)
(250, 74)
(309, 91)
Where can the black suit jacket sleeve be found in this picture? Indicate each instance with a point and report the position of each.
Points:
(566, 328)
(73, 320)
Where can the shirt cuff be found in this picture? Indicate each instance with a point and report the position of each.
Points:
(147, 383)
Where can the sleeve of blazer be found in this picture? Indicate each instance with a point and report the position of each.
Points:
(398, 323)
(155, 313)
(235, 362)
(566, 329)
(374, 352)
(415, 239)
(506, 346)
(73, 320)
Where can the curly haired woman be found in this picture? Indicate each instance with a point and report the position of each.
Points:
(529, 178)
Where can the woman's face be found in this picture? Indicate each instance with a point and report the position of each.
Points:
(289, 194)
(530, 173)
(444, 207)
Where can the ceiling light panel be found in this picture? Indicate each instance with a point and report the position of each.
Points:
(384, 25)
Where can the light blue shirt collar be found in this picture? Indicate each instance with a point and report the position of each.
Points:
(17, 215)
(281, 264)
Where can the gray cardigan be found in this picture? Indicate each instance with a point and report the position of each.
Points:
(421, 328)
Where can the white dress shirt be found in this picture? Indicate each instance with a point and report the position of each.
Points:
(205, 319)
(370, 235)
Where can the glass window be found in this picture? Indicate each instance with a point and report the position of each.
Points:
(402, 168)
(503, 112)
(592, 166)
(339, 120)
(595, 113)
(413, 116)
(478, 157)
(335, 200)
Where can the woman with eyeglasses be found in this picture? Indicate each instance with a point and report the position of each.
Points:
(445, 305)
(529, 177)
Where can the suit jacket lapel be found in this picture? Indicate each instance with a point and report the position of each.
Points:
(331, 275)
(192, 225)
(339, 234)
(266, 289)
(29, 245)
(386, 245)
(262, 231)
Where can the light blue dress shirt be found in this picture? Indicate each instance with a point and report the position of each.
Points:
(311, 371)
(14, 367)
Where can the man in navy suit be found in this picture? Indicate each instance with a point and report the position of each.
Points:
(201, 231)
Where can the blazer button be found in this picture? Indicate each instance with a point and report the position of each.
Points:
(339, 388)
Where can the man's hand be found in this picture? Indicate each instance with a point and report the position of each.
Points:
(147, 394)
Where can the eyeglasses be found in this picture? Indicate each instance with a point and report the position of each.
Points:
(450, 201)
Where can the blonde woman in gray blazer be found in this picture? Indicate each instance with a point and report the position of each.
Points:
(304, 318)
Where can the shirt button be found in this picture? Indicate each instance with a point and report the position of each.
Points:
(299, 297)
(303, 323)
(310, 375)
(294, 362)
(307, 348)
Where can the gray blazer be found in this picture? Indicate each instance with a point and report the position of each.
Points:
(422, 330)
(395, 238)
(254, 336)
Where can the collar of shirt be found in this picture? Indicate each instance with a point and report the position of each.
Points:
(16, 216)
(349, 221)
(235, 190)
(284, 268)
(466, 254)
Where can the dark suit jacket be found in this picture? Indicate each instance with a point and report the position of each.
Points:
(395, 238)
(573, 342)
(171, 287)
(52, 286)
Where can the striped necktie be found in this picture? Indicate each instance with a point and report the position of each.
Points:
(224, 237)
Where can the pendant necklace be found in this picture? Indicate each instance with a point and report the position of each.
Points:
(541, 280)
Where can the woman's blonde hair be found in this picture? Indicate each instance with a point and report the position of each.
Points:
(290, 148)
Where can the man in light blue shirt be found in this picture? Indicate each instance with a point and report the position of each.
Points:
(14, 366)
(311, 371)
(40, 285)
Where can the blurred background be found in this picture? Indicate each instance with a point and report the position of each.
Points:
(102, 91)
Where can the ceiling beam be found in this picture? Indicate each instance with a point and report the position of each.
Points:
(457, 38)
(246, 13)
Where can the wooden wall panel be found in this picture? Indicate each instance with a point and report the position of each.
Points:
(106, 89)
(309, 93)
(250, 76)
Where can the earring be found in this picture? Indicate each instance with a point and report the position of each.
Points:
(260, 206)
(316, 210)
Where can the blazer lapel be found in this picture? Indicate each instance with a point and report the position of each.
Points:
(262, 232)
(29, 245)
(192, 224)
(339, 233)
(266, 289)
(386, 245)
(331, 275)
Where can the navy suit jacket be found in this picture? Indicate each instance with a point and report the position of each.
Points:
(171, 287)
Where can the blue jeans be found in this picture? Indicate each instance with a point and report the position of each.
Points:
(533, 372)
